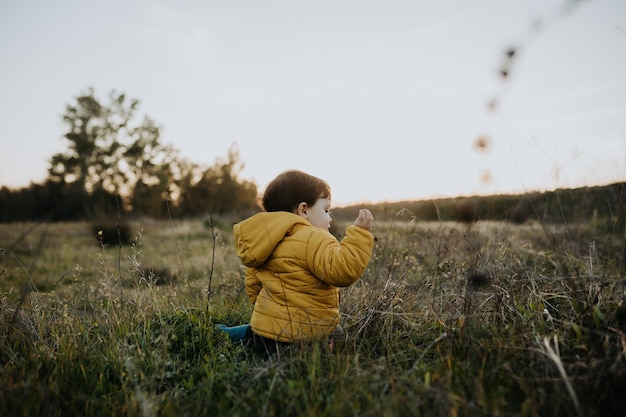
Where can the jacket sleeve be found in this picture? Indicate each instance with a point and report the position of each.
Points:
(340, 263)
(253, 285)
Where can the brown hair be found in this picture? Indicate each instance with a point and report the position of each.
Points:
(291, 188)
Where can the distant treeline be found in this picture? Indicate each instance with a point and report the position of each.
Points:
(54, 202)
(602, 204)
(221, 194)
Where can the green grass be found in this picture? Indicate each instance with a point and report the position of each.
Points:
(449, 320)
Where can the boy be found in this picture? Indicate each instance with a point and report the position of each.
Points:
(295, 265)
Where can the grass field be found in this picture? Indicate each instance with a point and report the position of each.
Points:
(448, 320)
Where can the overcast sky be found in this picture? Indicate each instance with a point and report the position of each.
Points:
(386, 100)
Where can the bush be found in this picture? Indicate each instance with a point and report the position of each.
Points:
(111, 234)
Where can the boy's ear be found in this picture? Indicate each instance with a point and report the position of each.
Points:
(301, 209)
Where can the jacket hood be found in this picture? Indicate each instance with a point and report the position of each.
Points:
(257, 236)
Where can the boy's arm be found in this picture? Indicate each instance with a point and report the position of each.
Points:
(340, 264)
(253, 285)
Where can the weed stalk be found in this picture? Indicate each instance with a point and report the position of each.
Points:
(180, 257)
(213, 240)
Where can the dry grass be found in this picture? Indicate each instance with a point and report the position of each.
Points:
(480, 319)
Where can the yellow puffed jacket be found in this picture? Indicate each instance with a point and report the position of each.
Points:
(293, 271)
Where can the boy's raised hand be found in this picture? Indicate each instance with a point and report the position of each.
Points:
(365, 219)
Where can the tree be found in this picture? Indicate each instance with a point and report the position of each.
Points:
(217, 189)
(110, 150)
(115, 161)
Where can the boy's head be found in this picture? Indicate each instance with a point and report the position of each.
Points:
(291, 188)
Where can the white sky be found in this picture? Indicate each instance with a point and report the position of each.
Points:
(383, 99)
